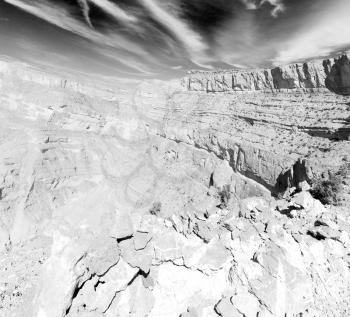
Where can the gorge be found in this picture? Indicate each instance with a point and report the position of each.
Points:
(192, 197)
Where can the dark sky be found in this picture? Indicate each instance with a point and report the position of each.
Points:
(164, 38)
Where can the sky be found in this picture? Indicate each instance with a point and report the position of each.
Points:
(166, 38)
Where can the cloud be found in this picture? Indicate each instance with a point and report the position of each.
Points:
(114, 10)
(61, 17)
(107, 6)
(86, 11)
(191, 40)
(56, 15)
(278, 5)
(163, 37)
(250, 4)
(124, 49)
(321, 35)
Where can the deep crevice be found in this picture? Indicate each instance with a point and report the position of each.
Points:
(124, 238)
(316, 235)
(139, 273)
(76, 291)
(248, 174)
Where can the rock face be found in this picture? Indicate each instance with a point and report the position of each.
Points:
(338, 79)
(315, 75)
(148, 200)
(309, 75)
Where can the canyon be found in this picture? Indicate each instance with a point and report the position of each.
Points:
(191, 197)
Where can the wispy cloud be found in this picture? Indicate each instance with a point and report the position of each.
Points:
(108, 7)
(86, 11)
(125, 51)
(57, 15)
(152, 37)
(191, 40)
(114, 10)
(60, 16)
(278, 5)
(250, 4)
(325, 32)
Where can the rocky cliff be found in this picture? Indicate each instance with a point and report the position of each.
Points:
(148, 200)
(12, 70)
(338, 75)
(303, 76)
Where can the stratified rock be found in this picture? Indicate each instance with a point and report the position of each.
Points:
(82, 166)
(310, 75)
(338, 78)
(313, 76)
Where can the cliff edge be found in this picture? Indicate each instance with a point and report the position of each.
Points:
(338, 77)
(148, 200)
(313, 75)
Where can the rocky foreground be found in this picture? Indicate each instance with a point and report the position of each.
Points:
(160, 199)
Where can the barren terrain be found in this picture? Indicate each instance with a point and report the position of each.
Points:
(171, 199)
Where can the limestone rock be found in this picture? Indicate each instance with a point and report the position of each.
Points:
(226, 161)
(137, 258)
(338, 79)
(123, 226)
(141, 240)
(191, 312)
(246, 304)
(309, 75)
(225, 308)
(305, 200)
(222, 175)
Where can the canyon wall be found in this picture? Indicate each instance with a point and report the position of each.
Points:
(79, 83)
(338, 76)
(270, 120)
(142, 199)
(302, 76)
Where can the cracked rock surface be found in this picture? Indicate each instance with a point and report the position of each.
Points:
(148, 199)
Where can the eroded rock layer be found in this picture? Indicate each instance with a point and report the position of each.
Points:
(303, 76)
(278, 140)
(147, 200)
(338, 79)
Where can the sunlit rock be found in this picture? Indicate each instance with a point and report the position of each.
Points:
(155, 200)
